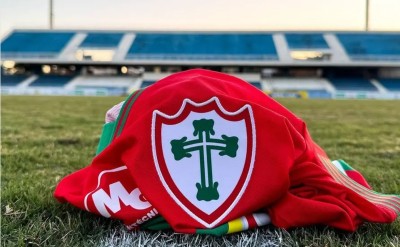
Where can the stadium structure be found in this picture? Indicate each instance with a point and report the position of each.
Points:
(283, 64)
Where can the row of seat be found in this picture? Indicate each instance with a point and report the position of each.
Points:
(370, 46)
(25, 43)
(340, 84)
(353, 84)
(203, 46)
(247, 46)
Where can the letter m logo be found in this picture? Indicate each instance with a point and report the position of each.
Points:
(115, 195)
(118, 194)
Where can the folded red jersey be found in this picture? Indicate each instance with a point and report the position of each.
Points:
(205, 152)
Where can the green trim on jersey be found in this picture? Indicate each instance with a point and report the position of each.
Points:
(217, 231)
(158, 223)
(109, 129)
(106, 136)
(346, 166)
(124, 112)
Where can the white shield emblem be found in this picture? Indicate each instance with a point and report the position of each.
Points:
(204, 156)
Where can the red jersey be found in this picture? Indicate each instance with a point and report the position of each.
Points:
(202, 151)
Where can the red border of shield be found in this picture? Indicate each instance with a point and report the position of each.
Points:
(159, 120)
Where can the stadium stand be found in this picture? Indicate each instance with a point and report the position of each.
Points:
(203, 46)
(306, 41)
(12, 80)
(391, 84)
(314, 64)
(51, 81)
(371, 46)
(102, 40)
(352, 84)
(38, 44)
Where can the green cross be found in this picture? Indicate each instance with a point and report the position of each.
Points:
(204, 144)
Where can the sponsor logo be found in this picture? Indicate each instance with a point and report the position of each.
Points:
(110, 198)
(118, 194)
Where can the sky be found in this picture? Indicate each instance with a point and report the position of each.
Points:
(229, 15)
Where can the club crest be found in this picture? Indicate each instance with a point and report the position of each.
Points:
(204, 157)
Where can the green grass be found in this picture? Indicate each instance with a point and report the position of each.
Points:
(46, 138)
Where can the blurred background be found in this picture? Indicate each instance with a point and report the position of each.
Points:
(301, 49)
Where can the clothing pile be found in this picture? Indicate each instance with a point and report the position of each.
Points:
(205, 152)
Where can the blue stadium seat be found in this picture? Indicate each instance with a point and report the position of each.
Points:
(352, 84)
(306, 41)
(35, 44)
(146, 84)
(205, 46)
(102, 40)
(391, 84)
(257, 84)
(374, 46)
(12, 80)
(51, 81)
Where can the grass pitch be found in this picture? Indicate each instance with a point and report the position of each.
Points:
(46, 138)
